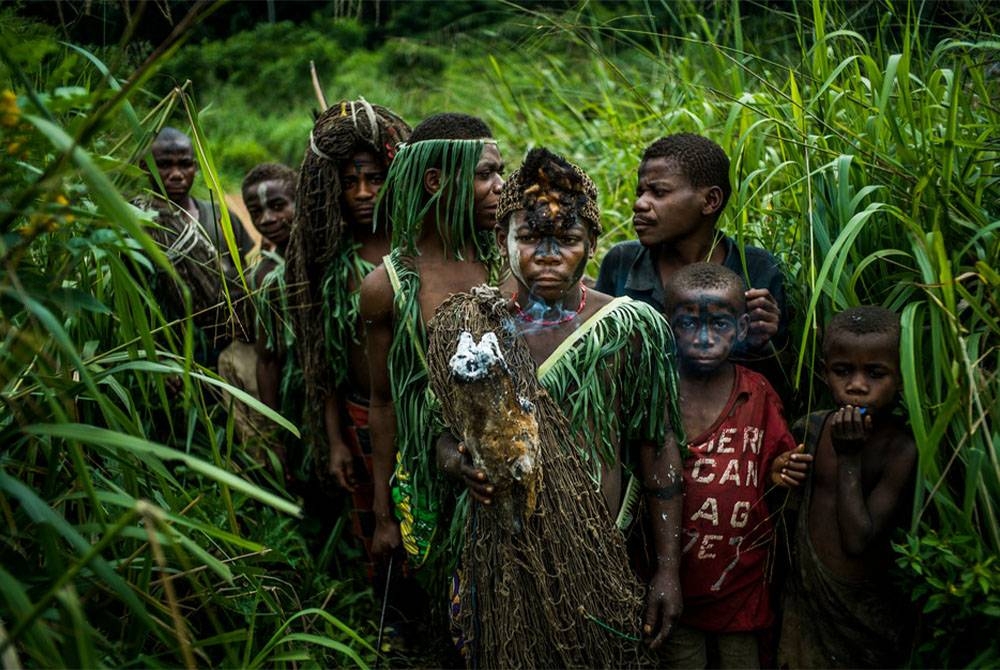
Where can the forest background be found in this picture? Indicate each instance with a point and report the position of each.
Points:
(865, 139)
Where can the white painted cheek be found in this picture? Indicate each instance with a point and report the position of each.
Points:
(262, 194)
(514, 256)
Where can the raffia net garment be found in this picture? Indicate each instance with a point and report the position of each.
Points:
(552, 586)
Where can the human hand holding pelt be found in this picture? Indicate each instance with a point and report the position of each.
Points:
(849, 428)
(764, 315)
(456, 462)
(790, 468)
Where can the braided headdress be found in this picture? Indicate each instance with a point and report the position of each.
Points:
(320, 256)
(552, 191)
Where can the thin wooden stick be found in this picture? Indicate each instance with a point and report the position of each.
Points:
(316, 87)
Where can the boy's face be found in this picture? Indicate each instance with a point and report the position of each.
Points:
(486, 188)
(707, 324)
(667, 207)
(547, 263)
(361, 177)
(177, 167)
(271, 205)
(863, 370)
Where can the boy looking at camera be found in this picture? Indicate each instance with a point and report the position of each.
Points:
(736, 434)
(840, 609)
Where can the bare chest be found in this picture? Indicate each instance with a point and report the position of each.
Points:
(438, 282)
(702, 406)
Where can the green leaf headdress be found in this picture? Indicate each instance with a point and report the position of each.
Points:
(406, 202)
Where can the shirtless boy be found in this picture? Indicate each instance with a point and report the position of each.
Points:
(735, 430)
(840, 607)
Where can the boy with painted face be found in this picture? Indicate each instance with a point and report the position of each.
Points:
(607, 362)
(736, 432)
(253, 362)
(841, 609)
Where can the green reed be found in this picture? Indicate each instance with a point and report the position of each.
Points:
(135, 532)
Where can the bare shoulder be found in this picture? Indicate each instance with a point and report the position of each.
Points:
(376, 294)
(595, 301)
(901, 447)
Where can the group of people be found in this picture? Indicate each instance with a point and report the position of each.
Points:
(645, 403)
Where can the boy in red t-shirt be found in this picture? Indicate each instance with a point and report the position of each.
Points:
(736, 433)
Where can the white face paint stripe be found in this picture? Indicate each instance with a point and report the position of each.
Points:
(262, 195)
(513, 256)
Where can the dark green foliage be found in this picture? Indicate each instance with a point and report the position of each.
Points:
(960, 586)
(413, 61)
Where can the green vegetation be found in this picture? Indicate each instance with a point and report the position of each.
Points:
(864, 142)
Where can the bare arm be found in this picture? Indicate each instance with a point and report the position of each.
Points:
(268, 373)
(660, 473)
(340, 463)
(269, 361)
(864, 520)
(377, 314)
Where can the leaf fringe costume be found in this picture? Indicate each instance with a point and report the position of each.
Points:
(322, 264)
(419, 491)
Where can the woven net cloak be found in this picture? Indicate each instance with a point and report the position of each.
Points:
(321, 263)
(545, 583)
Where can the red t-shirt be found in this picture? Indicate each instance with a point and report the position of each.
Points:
(726, 527)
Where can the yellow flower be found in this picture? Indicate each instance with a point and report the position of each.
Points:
(9, 111)
(60, 199)
(13, 148)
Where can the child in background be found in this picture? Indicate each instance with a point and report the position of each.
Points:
(840, 610)
(736, 433)
(252, 362)
(332, 246)
(683, 187)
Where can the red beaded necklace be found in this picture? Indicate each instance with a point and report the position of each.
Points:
(567, 317)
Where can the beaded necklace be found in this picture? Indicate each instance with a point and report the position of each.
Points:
(563, 319)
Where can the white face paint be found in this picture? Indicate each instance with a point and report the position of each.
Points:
(513, 256)
(262, 195)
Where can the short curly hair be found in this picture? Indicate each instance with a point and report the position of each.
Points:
(270, 172)
(703, 276)
(701, 160)
(450, 126)
(862, 320)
